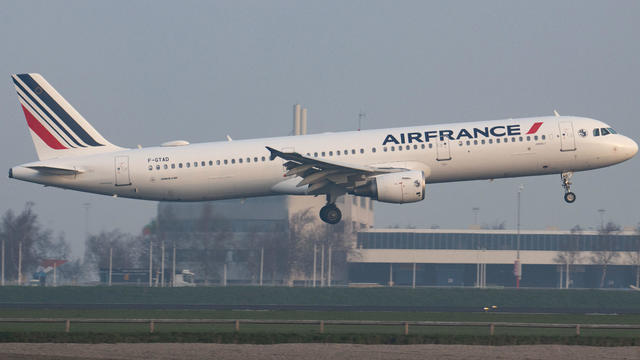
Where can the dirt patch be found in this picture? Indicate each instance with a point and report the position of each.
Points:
(15, 351)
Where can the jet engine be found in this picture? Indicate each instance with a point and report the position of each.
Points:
(399, 188)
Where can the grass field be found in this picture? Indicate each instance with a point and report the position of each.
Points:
(446, 298)
(495, 317)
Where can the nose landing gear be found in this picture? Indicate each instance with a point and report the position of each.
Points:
(569, 197)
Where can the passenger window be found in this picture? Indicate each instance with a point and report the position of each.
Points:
(520, 138)
(498, 141)
(490, 141)
(384, 149)
(240, 160)
(422, 146)
(353, 151)
(248, 159)
(173, 166)
(338, 152)
(475, 142)
(544, 137)
(233, 161)
(315, 154)
(157, 167)
(323, 154)
(180, 165)
(330, 153)
(535, 138)
(195, 164)
(415, 147)
(263, 158)
(362, 150)
(400, 148)
(596, 132)
(150, 167)
(528, 138)
(255, 159)
(217, 162)
(460, 143)
(373, 150)
(188, 165)
(166, 166)
(513, 139)
(226, 161)
(346, 152)
(430, 146)
(482, 141)
(468, 142)
(393, 148)
(203, 163)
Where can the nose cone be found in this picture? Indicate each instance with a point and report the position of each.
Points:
(629, 148)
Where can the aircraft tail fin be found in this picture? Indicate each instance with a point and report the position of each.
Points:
(57, 129)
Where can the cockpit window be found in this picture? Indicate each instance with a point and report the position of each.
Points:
(612, 131)
(604, 131)
(596, 132)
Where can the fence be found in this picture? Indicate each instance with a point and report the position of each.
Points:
(491, 326)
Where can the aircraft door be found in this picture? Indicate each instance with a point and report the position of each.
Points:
(122, 171)
(443, 151)
(567, 138)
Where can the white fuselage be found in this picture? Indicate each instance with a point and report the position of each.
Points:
(243, 168)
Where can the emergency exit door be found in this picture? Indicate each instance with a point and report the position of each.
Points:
(443, 150)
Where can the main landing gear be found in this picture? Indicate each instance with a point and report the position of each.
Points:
(330, 212)
(566, 184)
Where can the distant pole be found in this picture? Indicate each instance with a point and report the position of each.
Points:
(413, 282)
(518, 266)
(315, 251)
(261, 264)
(54, 275)
(329, 270)
(20, 263)
(322, 266)
(173, 267)
(475, 210)
(390, 274)
(162, 266)
(602, 211)
(224, 276)
(110, 264)
(150, 262)
(2, 279)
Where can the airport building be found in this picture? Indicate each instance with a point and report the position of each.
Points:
(437, 257)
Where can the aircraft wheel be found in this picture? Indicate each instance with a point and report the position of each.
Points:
(569, 197)
(330, 214)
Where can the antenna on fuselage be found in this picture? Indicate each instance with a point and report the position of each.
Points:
(555, 112)
(361, 115)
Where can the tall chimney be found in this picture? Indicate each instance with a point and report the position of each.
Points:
(296, 119)
(303, 122)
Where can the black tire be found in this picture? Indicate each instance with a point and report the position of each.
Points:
(330, 214)
(569, 197)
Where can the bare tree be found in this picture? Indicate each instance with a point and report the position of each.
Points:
(126, 249)
(605, 253)
(24, 230)
(569, 253)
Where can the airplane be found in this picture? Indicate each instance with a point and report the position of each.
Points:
(389, 165)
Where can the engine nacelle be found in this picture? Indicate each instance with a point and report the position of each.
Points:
(399, 188)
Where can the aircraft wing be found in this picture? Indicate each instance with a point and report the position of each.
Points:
(319, 173)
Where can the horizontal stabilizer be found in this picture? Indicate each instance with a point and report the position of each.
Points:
(51, 170)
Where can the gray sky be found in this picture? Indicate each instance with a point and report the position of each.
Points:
(144, 72)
